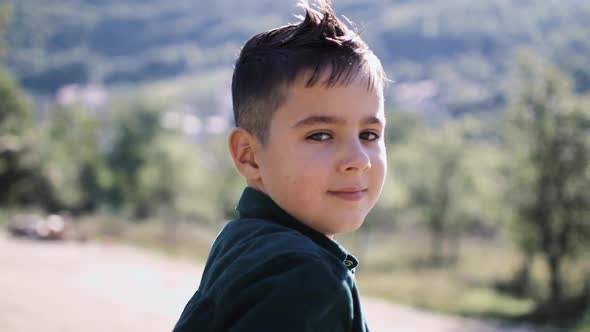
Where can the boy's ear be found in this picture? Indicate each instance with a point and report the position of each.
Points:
(243, 147)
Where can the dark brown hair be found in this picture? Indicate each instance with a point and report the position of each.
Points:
(272, 60)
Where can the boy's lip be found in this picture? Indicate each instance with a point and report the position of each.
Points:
(349, 194)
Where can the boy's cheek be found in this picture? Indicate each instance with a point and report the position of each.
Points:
(381, 168)
(381, 157)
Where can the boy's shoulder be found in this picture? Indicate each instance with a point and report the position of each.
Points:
(257, 248)
(265, 266)
(262, 276)
(263, 240)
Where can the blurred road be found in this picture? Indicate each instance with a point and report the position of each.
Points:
(67, 287)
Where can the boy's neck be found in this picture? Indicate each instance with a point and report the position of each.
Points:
(259, 188)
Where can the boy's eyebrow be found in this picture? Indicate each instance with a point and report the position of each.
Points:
(318, 119)
(326, 119)
(373, 120)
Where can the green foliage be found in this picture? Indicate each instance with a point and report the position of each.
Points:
(134, 133)
(548, 134)
(400, 127)
(117, 160)
(15, 110)
(447, 177)
(162, 172)
(584, 324)
(465, 46)
(5, 17)
(16, 137)
(71, 160)
(172, 180)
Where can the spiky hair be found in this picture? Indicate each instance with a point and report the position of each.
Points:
(270, 61)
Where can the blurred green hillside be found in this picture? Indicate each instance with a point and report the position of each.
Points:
(465, 48)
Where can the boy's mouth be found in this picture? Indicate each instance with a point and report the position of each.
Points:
(349, 194)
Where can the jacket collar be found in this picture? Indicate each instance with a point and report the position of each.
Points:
(256, 204)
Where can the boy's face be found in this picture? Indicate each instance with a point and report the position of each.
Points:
(324, 160)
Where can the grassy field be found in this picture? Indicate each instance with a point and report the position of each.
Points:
(395, 267)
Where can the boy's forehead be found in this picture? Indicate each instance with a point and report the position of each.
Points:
(362, 83)
(354, 100)
(323, 78)
(321, 87)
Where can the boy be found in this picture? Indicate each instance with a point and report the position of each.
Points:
(308, 106)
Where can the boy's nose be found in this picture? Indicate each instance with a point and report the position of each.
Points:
(355, 158)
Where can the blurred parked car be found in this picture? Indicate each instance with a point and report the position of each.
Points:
(33, 226)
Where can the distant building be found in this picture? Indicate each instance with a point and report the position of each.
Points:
(91, 97)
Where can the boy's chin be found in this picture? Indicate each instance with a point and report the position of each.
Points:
(348, 227)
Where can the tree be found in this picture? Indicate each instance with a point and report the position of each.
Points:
(134, 131)
(432, 167)
(161, 172)
(548, 131)
(16, 138)
(71, 160)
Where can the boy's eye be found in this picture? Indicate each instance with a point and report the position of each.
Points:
(319, 137)
(369, 136)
